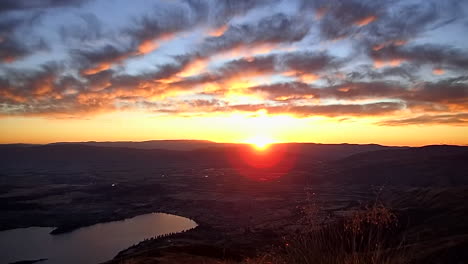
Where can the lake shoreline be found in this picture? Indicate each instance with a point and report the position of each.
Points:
(102, 241)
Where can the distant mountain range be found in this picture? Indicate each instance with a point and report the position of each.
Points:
(347, 163)
(437, 165)
(332, 150)
(150, 144)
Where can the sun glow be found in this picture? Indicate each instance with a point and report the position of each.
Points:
(260, 142)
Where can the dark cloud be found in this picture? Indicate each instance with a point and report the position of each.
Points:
(364, 90)
(287, 91)
(47, 92)
(18, 5)
(12, 50)
(308, 62)
(334, 110)
(31, 85)
(449, 93)
(163, 22)
(275, 29)
(16, 40)
(295, 64)
(100, 59)
(170, 18)
(12, 45)
(247, 66)
(404, 20)
(437, 55)
(89, 29)
(460, 119)
(404, 72)
(344, 18)
(344, 91)
(100, 80)
(444, 94)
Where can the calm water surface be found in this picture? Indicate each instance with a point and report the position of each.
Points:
(88, 245)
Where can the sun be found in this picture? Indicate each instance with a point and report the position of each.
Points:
(260, 142)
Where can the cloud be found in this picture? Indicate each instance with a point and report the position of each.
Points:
(340, 19)
(275, 29)
(437, 55)
(345, 91)
(12, 50)
(308, 62)
(365, 21)
(18, 5)
(14, 46)
(287, 91)
(33, 85)
(333, 110)
(247, 67)
(167, 20)
(449, 92)
(100, 59)
(301, 111)
(403, 72)
(164, 22)
(300, 65)
(459, 119)
(319, 58)
(438, 71)
(89, 28)
(402, 21)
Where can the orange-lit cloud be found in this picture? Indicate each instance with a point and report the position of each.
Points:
(365, 21)
(320, 12)
(248, 52)
(195, 67)
(97, 69)
(216, 32)
(438, 71)
(304, 77)
(309, 77)
(392, 62)
(11, 96)
(147, 46)
(8, 59)
(378, 47)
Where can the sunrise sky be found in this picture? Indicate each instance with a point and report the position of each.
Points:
(387, 72)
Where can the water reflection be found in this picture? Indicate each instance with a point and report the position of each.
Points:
(88, 245)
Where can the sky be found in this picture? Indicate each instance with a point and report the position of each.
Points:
(328, 71)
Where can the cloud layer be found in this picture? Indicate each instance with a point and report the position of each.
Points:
(399, 62)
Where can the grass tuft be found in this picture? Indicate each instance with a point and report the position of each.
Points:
(369, 236)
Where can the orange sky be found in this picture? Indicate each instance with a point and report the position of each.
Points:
(235, 127)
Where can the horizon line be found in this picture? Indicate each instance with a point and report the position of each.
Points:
(231, 142)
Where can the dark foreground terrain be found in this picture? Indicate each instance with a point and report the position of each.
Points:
(244, 201)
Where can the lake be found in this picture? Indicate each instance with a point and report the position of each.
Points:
(87, 245)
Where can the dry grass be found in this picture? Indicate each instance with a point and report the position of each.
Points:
(367, 237)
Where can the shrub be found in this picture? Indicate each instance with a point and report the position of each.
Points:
(369, 236)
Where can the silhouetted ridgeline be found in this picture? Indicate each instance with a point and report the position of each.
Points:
(68, 154)
(424, 166)
(150, 144)
(359, 164)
